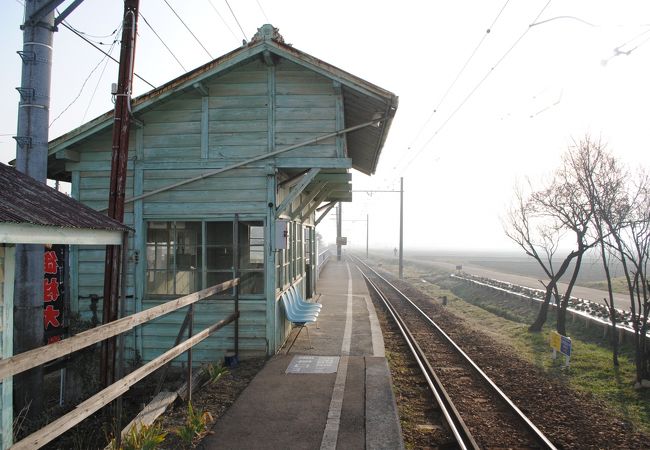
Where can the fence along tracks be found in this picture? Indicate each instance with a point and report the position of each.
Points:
(480, 415)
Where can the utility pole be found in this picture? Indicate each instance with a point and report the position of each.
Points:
(401, 228)
(31, 159)
(367, 233)
(339, 226)
(401, 222)
(121, 129)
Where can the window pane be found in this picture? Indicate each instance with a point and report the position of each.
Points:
(219, 258)
(252, 282)
(187, 281)
(159, 282)
(251, 245)
(218, 278)
(219, 233)
(188, 245)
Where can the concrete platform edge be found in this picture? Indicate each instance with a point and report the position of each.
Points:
(383, 429)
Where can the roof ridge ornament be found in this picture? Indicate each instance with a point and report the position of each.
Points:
(267, 32)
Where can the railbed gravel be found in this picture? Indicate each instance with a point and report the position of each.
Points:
(570, 419)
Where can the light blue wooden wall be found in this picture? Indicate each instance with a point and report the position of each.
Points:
(7, 270)
(248, 111)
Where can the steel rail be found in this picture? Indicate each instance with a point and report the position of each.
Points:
(452, 416)
(529, 424)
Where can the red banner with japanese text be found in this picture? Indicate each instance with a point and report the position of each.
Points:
(53, 292)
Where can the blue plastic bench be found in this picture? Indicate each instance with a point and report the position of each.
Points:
(298, 318)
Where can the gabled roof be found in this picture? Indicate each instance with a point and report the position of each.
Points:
(26, 204)
(363, 101)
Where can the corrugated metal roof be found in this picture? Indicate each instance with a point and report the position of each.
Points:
(363, 101)
(24, 200)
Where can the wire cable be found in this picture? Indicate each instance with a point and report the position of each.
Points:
(161, 40)
(263, 12)
(460, 72)
(88, 35)
(92, 97)
(188, 29)
(81, 89)
(478, 85)
(236, 20)
(102, 51)
(223, 20)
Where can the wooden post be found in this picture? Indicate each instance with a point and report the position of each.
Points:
(190, 330)
(401, 228)
(121, 129)
(235, 276)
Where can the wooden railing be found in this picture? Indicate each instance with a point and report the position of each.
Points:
(323, 257)
(33, 358)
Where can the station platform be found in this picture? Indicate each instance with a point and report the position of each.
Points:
(335, 395)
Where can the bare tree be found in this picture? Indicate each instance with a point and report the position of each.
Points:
(538, 233)
(603, 181)
(567, 204)
(632, 248)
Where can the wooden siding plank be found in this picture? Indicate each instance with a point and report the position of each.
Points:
(207, 208)
(159, 154)
(181, 171)
(94, 165)
(211, 184)
(237, 89)
(243, 75)
(236, 113)
(237, 126)
(186, 101)
(157, 116)
(305, 126)
(172, 141)
(98, 183)
(294, 88)
(167, 128)
(253, 138)
(310, 113)
(318, 151)
(216, 196)
(236, 151)
(282, 139)
(237, 102)
(306, 101)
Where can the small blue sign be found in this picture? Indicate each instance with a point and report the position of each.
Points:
(565, 345)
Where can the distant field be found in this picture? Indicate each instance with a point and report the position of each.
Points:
(591, 270)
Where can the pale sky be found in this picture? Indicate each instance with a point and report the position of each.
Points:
(505, 118)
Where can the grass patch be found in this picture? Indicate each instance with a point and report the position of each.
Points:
(507, 318)
(619, 285)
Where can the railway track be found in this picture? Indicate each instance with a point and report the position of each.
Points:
(477, 413)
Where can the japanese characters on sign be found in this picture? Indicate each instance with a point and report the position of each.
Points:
(561, 344)
(53, 292)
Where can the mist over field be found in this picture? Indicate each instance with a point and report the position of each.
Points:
(505, 261)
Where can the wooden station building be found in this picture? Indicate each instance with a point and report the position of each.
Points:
(227, 167)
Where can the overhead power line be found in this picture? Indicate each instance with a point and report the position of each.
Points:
(460, 72)
(223, 20)
(92, 35)
(109, 56)
(263, 12)
(83, 85)
(236, 20)
(188, 29)
(163, 42)
(478, 85)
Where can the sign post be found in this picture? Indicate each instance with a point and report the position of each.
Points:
(561, 344)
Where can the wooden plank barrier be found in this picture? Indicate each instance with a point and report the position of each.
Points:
(105, 396)
(33, 358)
